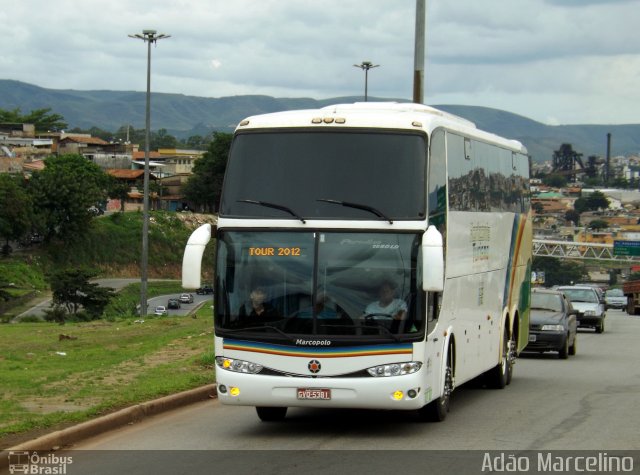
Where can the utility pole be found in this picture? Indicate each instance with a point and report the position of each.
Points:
(418, 73)
(607, 170)
(148, 36)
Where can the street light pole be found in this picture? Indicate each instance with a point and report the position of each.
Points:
(418, 74)
(366, 66)
(149, 36)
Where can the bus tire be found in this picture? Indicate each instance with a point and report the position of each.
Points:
(499, 376)
(271, 414)
(436, 411)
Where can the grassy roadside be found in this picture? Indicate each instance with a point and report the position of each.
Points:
(49, 382)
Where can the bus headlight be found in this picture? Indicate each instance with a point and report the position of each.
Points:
(239, 366)
(395, 369)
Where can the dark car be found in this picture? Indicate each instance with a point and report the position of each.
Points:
(552, 324)
(173, 303)
(205, 289)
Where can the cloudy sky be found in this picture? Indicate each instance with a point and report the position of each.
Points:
(555, 61)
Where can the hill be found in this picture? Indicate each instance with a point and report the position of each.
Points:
(184, 116)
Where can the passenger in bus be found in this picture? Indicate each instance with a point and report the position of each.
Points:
(387, 304)
(258, 311)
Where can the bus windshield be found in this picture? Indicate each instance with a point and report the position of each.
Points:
(335, 174)
(288, 284)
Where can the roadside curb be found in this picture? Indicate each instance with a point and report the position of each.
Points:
(71, 435)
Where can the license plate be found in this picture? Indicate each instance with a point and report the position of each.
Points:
(314, 393)
(532, 337)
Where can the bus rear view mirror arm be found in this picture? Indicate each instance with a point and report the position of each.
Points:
(432, 261)
(192, 260)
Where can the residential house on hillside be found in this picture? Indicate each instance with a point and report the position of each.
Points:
(171, 192)
(179, 162)
(19, 145)
(21, 151)
(17, 130)
(156, 162)
(135, 181)
(84, 145)
(553, 202)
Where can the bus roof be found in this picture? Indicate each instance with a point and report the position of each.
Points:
(383, 115)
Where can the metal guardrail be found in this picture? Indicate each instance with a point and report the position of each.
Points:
(578, 250)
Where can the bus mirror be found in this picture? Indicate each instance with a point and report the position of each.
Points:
(432, 261)
(192, 260)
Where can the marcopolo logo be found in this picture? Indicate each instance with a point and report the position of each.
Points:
(301, 342)
(32, 463)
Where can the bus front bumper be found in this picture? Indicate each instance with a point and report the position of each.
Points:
(407, 392)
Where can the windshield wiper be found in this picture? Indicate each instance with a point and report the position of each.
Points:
(348, 204)
(271, 327)
(274, 206)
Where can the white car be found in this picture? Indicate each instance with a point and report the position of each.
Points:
(586, 301)
(161, 310)
(614, 298)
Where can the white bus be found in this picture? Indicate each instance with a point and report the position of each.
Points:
(369, 255)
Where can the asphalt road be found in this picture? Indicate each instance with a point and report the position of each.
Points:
(586, 403)
(589, 401)
(185, 308)
(118, 284)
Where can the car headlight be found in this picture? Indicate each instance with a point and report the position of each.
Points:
(239, 366)
(395, 369)
(589, 313)
(552, 328)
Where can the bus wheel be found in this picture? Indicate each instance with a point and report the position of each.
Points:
(436, 411)
(271, 414)
(500, 376)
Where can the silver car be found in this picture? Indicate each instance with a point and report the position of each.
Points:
(591, 311)
(614, 298)
(161, 310)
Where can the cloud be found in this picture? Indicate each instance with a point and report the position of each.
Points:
(557, 58)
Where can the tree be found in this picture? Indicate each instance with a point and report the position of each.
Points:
(71, 289)
(597, 224)
(620, 182)
(555, 180)
(557, 272)
(42, 119)
(580, 205)
(16, 211)
(196, 142)
(573, 216)
(596, 201)
(64, 191)
(205, 185)
(537, 207)
(119, 190)
(162, 139)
